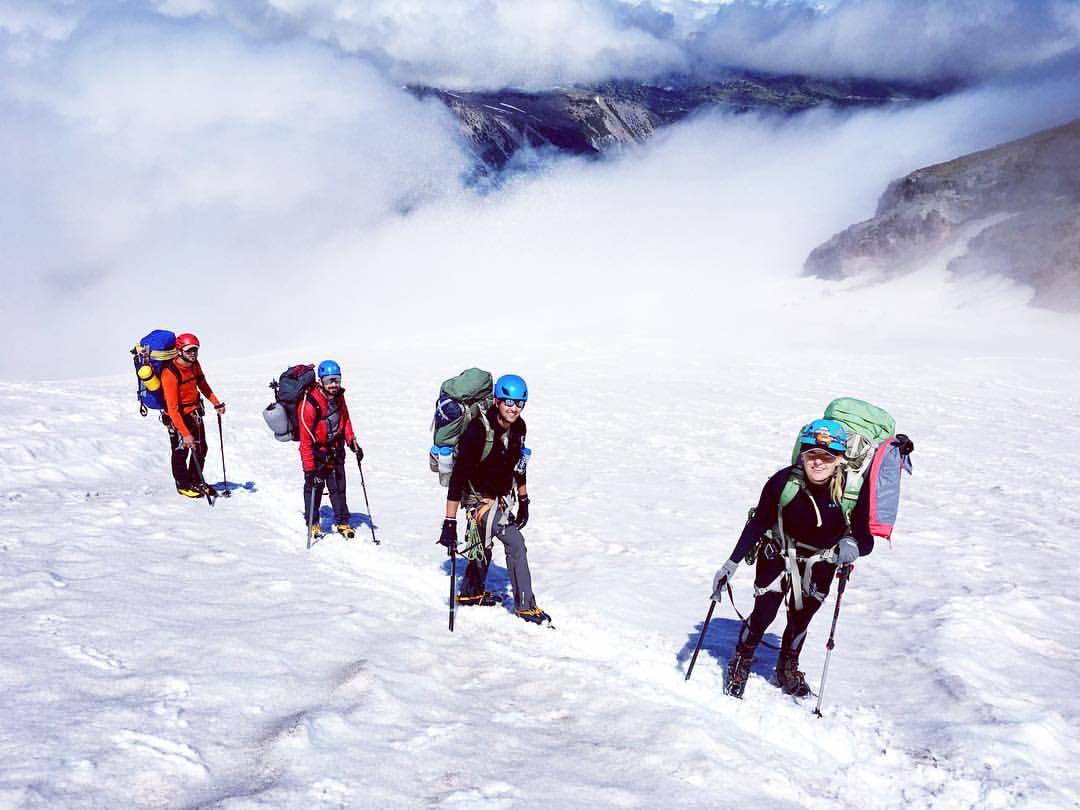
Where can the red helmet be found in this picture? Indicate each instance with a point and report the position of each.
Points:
(185, 340)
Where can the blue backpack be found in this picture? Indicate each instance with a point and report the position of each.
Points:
(149, 354)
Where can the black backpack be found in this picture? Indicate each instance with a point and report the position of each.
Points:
(289, 389)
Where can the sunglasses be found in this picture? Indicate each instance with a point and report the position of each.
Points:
(331, 378)
(518, 403)
(190, 350)
(824, 456)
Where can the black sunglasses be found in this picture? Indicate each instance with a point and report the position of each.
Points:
(519, 402)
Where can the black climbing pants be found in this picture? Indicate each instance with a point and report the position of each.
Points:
(183, 464)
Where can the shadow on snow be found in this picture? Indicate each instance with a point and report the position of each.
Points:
(719, 642)
(498, 581)
(232, 486)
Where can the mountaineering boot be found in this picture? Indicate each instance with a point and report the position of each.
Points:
(534, 615)
(738, 669)
(486, 599)
(792, 681)
(208, 490)
(316, 531)
(346, 531)
(189, 491)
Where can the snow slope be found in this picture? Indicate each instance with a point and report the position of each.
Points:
(158, 653)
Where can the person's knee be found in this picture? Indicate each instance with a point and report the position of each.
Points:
(513, 539)
(765, 609)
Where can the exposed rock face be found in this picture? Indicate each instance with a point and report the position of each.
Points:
(1016, 206)
(592, 120)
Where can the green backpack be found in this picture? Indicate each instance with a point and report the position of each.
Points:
(867, 427)
(461, 399)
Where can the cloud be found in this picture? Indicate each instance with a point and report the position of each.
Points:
(475, 44)
(498, 43)
(922, 40)
(270, 192)
(166, 168)
(467, 44)
(705, 230)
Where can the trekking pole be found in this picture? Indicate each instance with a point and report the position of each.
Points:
(367, 504)
(221, 439)
(845, 572)
(701, 638)
(453, 584)
(192, 457)
(705, 626)
(311, 509)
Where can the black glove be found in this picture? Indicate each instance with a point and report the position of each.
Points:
(522, 512)
(359, 452)
(448, 537)
(313, 479)
(905, 445)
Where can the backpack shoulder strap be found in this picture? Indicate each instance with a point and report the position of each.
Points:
(304, 400)
(489, 434)
(796, 481)
(857, 476)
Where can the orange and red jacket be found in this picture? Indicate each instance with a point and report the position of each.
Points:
(182, 386)
(315, 445)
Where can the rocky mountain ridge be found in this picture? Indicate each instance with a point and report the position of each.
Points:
(508, 125)
(1012, 210)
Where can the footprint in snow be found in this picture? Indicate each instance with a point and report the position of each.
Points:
(179, 755)
(95, 658)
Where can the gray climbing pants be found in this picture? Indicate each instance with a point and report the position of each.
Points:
(497, 525)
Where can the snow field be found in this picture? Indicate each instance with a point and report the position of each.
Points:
(158, 653)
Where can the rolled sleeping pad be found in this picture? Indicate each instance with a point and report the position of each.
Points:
(278, 421)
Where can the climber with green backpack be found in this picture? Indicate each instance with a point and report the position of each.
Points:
(481, 457)
(813, 517)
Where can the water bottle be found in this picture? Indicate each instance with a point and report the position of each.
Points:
(523, 462)
(446, 464)
(445, 460)
(433, 458)
(148, 377)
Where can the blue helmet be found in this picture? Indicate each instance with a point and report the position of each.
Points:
(328, 368)
(826, 433)
(511, 386)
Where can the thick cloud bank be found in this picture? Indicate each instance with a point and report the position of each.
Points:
(158, 172)
(892, 39)
(178, 166)
(472, 44)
